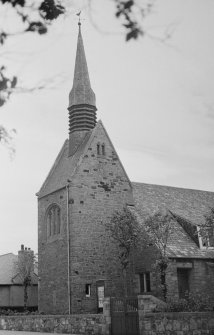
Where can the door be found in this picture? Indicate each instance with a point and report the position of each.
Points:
(183, 282)
(124, 316)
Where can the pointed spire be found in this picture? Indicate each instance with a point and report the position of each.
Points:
(82, 105)
(81, 92)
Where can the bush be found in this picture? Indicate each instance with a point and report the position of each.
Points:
(192, 303)
(11, 312)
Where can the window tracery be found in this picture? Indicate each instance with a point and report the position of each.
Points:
(53, 221)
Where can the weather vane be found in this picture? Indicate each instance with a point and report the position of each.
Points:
(79, 14)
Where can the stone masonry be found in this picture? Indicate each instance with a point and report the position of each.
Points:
(98, 188)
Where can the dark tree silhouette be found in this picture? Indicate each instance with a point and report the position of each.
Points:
(159, 227)
(124, 231)
(25, 271)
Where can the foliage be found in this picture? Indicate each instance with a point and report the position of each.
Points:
(6, 138)
(192, 303)
(128, 11)
(124, 230)
(6, 86)
(11, 312)
(34, 16)
(158, 227)
(25, 271)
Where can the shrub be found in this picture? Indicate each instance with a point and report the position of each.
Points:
(192, 303)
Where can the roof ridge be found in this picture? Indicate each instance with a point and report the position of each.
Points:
(9, 253)
(174, 187)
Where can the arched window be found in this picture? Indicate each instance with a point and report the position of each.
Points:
(53, 221)
(98, 148)
(103, 149)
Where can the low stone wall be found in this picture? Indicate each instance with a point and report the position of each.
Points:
(176, 323)
(90, 324)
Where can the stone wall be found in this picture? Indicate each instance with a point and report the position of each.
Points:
(176, 323)
(182, 323)
(82, 324)
(75, 324)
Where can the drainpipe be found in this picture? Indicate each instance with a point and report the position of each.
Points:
(68, 252)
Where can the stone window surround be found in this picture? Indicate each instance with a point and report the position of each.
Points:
(101, 149)
(56, 224)
(145, 281)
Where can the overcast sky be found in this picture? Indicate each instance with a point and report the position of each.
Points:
(155, 100)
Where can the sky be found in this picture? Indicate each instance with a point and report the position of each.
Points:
(155, 100)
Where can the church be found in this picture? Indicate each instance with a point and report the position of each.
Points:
(87, 183)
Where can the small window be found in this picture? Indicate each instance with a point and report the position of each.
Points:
(98, 148)
(103, 150)
(145, 285)
(88, 290)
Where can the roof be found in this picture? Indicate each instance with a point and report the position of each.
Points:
(8, 273)
(187, 203)
(188, 206)
(7, 262)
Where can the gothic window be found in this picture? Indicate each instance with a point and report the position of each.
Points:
(53, 221)
(98, 148)
(103, 149)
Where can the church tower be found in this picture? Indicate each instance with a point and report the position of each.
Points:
(78, 264)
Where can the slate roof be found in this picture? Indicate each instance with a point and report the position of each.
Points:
(8, 274)
(188, 205)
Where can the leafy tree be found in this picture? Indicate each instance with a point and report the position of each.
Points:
(124, 230)
(128, 234)
(158, 227)
(25, 271)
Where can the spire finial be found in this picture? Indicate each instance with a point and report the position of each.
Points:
(79, 14)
